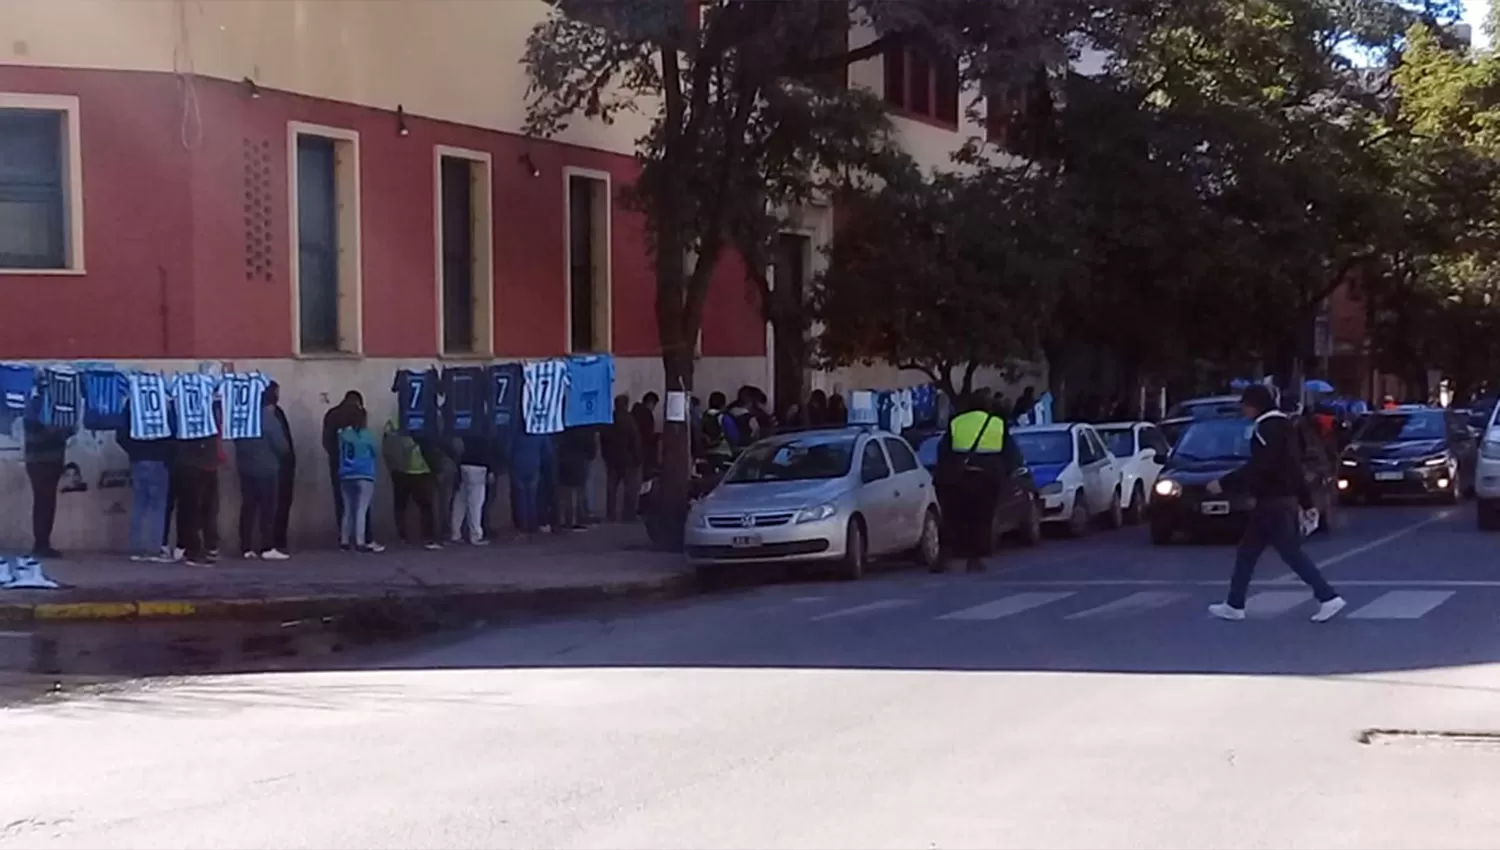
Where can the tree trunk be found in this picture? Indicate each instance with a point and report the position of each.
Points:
(676, 456)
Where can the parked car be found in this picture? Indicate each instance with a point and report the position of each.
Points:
(1142, 451)
(840, 495)
(1487, 474)
(1018, 513)
(1409, 451)
(1080, 480)
(1209, 450)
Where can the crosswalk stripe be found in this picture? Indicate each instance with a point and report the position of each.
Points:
(1402, 605)
(1272, 602)
(869, 608)
(1006, 606)
(1146, 600)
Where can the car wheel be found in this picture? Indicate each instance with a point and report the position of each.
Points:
(856, 550)
(1161, 533)
(1115, 516)
(1030, 532)
(1489, 515)
(929, 551)
(1078, 521)
(1137, 512)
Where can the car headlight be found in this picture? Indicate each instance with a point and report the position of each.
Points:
(1053, 489)
(1440, 460)
(821, 512)
(1348, 462)
(1168, 488)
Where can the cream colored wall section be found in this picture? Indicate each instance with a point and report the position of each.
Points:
(456, 60)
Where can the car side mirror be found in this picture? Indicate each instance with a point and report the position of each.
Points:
(1148, 454)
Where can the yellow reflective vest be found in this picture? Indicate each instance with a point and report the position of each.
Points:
(968, 432)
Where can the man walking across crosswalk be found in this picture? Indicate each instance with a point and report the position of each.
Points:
(1274, 476)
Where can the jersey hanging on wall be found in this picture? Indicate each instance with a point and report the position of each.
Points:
(506, 380)
(416, 400)
(17, 384)
(242, 404)
(61, 398)
(104, 394)
(465, 411)
(591, 387)
(193, 394)
(148, 406)
(542, 397)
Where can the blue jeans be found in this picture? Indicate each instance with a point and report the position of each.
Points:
(1275, 523)
(357, 495)
(524, 492)
(149, 484)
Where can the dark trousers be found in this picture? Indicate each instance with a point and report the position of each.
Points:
(525, 500)
(257, 512)
(408, 489)
(969, 501)
(197, 512)
(286, 484)
(624, 494)
(44, 477)
(338, 502)
(1275, 523)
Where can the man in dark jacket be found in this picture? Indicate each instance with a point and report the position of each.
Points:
(1274, 477)
(645, 421)
(286, 482)
(621, 446)
(45, 453)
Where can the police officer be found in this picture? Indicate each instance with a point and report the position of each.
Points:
(971, 463)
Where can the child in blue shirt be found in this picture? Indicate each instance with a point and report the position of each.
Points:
(357, 451)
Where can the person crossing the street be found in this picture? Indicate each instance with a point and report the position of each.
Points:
(1274, 476)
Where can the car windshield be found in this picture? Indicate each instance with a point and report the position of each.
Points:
(805, 459)
(1205, 409)
(1121, 441)
(1218, 439)
(1397, 427)
(1042, 447)
(1173, 431)
(927, 450)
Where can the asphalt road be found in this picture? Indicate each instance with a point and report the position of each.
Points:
(1076, 696)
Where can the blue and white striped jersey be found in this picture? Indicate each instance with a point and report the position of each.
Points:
(148, 406)
(104, 396)
(542, 397)
(62, 398)
(242, 404)
(193, 393)
(17, 386)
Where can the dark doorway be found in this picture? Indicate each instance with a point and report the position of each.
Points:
(788, 317)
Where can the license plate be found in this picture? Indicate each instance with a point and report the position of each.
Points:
(1389, 476)
(745, 541)
(1216, 508)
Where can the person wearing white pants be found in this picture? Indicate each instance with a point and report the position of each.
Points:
(468, 499)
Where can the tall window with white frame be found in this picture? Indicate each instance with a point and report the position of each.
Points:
(588, 264)
(464, 271)
(327, 241)
(35, 225)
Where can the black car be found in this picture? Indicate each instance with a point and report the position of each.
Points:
(1174, 428)
(1207, 451)
(1019, 511)
(1409, 452)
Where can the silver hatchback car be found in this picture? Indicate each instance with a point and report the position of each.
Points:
(842, 495)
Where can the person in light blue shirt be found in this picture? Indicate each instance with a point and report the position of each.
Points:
(357, 451)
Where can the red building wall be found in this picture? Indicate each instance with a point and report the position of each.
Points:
(166, 229)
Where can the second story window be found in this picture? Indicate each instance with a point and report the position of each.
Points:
(922, 87)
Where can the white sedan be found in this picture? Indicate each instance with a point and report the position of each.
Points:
(1142, 450)
(1078, 478)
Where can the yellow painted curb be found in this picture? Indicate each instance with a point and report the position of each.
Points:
(84, 611)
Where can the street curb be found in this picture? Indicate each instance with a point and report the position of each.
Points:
(440, 602)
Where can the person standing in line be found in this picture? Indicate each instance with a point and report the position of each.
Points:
(645, 421)
(195, 477)
(356, 453)
(1274, 476)
(259, 461)
(575, 451)
(286, 477)
(621, 447)
(150, 480)
(411, 483)
(468, 498)
(45, 454)
(526, 468)
(340, 416)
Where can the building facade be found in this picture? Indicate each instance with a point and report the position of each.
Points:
(328, 192)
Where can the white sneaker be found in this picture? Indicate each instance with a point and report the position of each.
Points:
(1330, 609)
(138, 558)
(372, 548)
(274, 555)
(250, 556)
(480, 542)
(1225, 611)
(433, 547)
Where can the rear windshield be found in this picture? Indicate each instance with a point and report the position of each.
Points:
(1396, 427)
(794, 460)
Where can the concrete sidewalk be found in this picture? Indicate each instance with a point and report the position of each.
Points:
(552, 570)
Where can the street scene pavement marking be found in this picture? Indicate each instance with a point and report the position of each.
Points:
(1006, 607)
(1269, 603)
(1402, 605)
(870, 608)
(1373, 544)
(1135, 603)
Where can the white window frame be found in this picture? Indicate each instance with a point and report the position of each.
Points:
(606, 309)
(484, 251)
(72, 161)
(347, 185)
